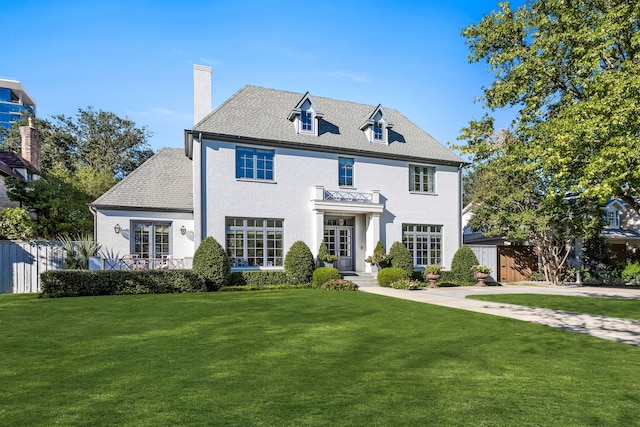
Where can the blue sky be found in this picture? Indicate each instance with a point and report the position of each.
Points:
(135, 58)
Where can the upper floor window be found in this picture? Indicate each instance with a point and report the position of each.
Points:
(306, 121)
(613, 218)
(378, 134)
(252, 163)
(345, 172)
(422, 179)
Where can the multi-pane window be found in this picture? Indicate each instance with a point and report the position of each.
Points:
(151, 239)
(306, 121)
(613, 219)
(252, 163)
(424, 242)
(255, 242)
(345, 172)
(422, 178)
(377, 131)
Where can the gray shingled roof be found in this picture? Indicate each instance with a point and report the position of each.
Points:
(262, 114)
(164, 182)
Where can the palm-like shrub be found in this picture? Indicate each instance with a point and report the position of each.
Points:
(401, 258)
(462, 265)
(212, 262)
(299, 263)
(78, 249)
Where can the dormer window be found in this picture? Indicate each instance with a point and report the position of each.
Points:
(377, 126)
(306, 116)
(377, 132)
(306, 121)
(612, 213)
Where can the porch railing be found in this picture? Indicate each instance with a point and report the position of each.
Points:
(145, 264)
(348, 196)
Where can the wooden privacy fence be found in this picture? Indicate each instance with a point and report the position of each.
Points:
(21, 264)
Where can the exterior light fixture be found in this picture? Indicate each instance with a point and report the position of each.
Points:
(183, 230)
(117, 229)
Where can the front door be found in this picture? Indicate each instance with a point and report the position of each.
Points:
(339, 241)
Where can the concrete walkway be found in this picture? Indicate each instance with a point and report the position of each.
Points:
(621, 330)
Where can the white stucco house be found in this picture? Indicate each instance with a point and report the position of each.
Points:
(270, 167)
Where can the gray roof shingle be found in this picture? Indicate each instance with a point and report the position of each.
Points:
(262, 114)
(164, 182)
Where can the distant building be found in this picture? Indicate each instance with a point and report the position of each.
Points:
(14, 99)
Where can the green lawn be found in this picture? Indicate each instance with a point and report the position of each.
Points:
(302, 357)
(612, 307)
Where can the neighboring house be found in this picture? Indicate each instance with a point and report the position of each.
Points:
(509, 262)
(274, 167)
(24, 166)
(150, 212)
(622, 229)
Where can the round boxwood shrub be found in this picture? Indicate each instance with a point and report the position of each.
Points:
(462, 265)
(299, 263)
(212, 262)
(389, 275)
(324, 274)
(401, 258)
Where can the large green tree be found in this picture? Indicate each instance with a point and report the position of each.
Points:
(571, 69)
(82, 157)
(512, 198)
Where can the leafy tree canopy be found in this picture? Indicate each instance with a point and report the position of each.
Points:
(82, 157)
(572, 70)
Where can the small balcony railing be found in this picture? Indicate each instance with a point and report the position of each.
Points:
(348, 196)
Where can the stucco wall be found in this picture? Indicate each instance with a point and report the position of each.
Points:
(297, 172)
(181, 246)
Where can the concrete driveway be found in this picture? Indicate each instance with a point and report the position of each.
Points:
(621, 330)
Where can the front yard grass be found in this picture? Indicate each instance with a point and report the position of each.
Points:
(300, 358)
(612, 307)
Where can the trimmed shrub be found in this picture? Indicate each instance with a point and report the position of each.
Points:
(256, 279)
(76, 283)
(339, 285)
(324, 274)
(631, 272)
(401, 257)
(322, 253)
(389, 275)
(212, 262)
(462, 265)
(407, 284)
(299, 263)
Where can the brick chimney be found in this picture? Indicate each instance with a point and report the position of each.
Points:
(31, 144)
(201, 92)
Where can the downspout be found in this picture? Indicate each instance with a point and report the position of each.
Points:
(460, 230)
(203, 192)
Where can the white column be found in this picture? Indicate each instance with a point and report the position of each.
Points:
(318, 231)
(373, 236)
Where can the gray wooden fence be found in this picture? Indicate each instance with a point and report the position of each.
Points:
(21, 264)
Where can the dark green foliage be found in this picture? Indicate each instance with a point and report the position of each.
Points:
(212, 262)
(462, 265)
(339, 285)
(257, 278)
(76, 283)
(322, 253)
(389, 275)
(324, 274)
(401, 258)
(299, 263)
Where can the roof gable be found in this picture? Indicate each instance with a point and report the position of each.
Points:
(164, 182)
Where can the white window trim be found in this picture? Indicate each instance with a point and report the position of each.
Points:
(435, 181)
